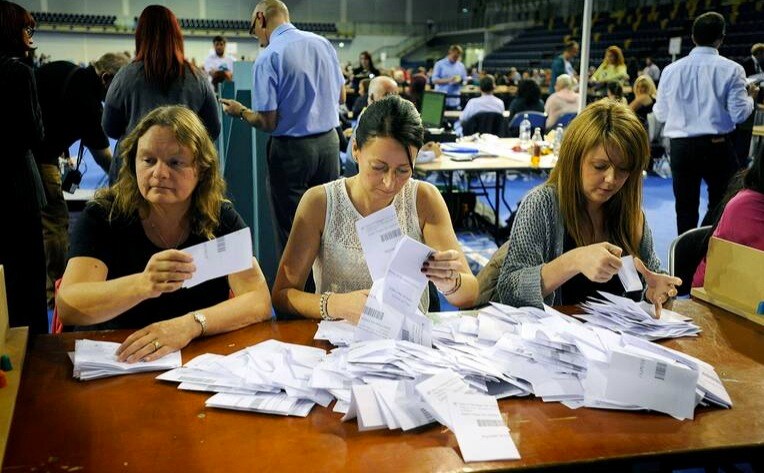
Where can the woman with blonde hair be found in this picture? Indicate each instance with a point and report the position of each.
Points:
(613, 67)
(644, 98)
(570, 233)
(127, 260)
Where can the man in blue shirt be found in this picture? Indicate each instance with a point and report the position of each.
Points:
(448, 74)
(298, 86)
(562, 64)
(700, 99)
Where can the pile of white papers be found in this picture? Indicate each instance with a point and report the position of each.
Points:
(271, 377)
(93, 360)
(623, 315)
(506, 351)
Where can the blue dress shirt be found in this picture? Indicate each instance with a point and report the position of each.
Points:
(445, 69)
(702, 94)
(299, 76)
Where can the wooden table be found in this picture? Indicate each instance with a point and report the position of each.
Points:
(499, 165)
(135, 423)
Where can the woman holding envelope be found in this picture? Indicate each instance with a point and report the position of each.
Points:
(324, 233)
(127, 266)
(570, 234)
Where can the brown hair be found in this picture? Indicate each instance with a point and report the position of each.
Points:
(159, 44)
(614, 127)
(13, 19)
(124, 199)
(619, 61)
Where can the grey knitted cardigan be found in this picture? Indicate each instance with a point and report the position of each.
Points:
(537, 237)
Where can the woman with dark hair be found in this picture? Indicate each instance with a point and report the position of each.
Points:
(324, 235)
(615, 92)
(528, 98)
(21, 194)
(571, 232)
(159, 75)
(742, 220)
(416, 89)
(365, 70)
(127, 263)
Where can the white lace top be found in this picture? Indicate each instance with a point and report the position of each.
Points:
(340, 266)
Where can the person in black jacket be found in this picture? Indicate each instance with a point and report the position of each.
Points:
(70, 98)
(21, 196)
(365, 70)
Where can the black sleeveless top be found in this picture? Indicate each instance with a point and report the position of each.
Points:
(579, 288)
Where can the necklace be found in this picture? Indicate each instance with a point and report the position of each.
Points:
(162, 238)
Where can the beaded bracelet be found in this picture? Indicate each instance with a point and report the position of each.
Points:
(457, 285)
(323, 306)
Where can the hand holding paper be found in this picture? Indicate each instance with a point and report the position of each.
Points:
(222, 256)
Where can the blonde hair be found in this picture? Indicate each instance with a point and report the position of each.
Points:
(646, 84)
(124, 198)
(619, 61)
(564, 80)
(614, 127)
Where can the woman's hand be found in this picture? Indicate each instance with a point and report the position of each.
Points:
(166, 271)
(660, 287)
(348, 306)
(158, 339)
(598, 262)
(443, 269)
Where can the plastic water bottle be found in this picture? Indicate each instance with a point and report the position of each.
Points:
(525, 132)
(536, 148)
(557, 140)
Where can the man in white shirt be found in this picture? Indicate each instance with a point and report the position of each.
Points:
(651, 70)
(700, 99)
(218, 66)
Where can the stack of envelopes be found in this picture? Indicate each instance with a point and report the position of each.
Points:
(93, 360)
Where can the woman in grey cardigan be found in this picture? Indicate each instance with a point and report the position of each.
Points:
(571, 232)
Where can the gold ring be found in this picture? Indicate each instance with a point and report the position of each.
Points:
(157, 345)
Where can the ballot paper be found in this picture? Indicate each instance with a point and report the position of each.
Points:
(222, 256)
(435, 391)
(628, 275)
(479, 428)
(404, 281)
(93, 359)
(377, 320)
(652, 383)
(379, 233)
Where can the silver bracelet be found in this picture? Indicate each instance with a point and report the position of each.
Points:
(323, 303)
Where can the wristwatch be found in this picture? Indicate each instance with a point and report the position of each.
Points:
(201, 319)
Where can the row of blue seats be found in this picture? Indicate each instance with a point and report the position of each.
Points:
(74, 19)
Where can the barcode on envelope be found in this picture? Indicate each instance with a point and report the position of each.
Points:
(660, 371)
(392, 234)
(490, 423)
(221, 244)
(405, 335)
(371, 312)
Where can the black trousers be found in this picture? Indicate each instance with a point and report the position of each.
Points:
(709, 158)
(294, 166)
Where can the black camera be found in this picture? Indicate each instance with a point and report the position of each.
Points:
(70, 180)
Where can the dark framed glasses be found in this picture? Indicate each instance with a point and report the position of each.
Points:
(29, 30)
